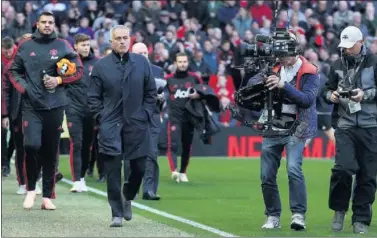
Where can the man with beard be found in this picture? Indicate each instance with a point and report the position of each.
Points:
(80, 121)
(180, 129)
(33, 72)
(352, 89)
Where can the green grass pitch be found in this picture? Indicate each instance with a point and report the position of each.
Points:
(226, 194)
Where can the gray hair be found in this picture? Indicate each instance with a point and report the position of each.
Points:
(118, 27)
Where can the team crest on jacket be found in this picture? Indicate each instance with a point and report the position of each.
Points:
(54, 54)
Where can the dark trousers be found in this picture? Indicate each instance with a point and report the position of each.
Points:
(152, 170)
(42, 131)
(4, 148)
(356, 153)
(179, 133)
(133, 178)
(81, 138)
(17, 140)
(11, 145)
(94, 156)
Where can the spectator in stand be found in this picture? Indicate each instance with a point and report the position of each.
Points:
(266, 27)
(99, 22)
(107, 25)
(317, 41)
(242, 21)
(227, 12)
(331, 41)
(210, 56)
(19, 27)
(197, 9)
(357, 21)
(198, 66)
(151, 32)
(322, 10)
(85, 28)
(30, 14)
(91, 12)
(343, 16)
(260, 11)
(296, 10)
(64, 33)
(370, 19)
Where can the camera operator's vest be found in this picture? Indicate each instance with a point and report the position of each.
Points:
(306, 68)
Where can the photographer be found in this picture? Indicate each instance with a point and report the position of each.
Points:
(352, 90)
(298, 83)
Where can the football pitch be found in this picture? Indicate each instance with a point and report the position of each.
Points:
(225, 193)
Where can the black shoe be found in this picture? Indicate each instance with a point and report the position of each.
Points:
(150, 196)
(360, 228)
(5, 171)
(101, 179)
(127, 210)
(338, 221)
(116, 222)
(90, 172)
(58, 177)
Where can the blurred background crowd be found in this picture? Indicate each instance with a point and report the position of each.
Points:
(209, 31)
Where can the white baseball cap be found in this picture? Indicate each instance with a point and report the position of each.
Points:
(349, 36)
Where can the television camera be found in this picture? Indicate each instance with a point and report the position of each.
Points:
(261, 57)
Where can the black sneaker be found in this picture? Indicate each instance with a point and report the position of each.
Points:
(58, 177)
(338, 221)
(360, 228)
(5, 171)
(90, 173)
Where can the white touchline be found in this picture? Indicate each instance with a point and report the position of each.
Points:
(164, 214)
(161, 213)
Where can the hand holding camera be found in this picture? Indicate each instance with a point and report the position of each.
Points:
(357, 95)
(274, 81)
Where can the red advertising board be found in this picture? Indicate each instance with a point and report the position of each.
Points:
(244, 142)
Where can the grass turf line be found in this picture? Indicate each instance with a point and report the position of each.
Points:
(226, 194)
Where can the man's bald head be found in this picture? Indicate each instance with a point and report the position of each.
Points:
(140, 48)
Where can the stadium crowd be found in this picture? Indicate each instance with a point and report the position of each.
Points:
(209, 31)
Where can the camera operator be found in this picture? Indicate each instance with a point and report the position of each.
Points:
(298, 83)
(352, 90)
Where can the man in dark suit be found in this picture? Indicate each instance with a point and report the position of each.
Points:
(122, 97)
(152, 172)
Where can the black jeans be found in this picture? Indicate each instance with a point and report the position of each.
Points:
(81, 134)
(42, 131)
(356, 153)
(17, 140)
(4, 148)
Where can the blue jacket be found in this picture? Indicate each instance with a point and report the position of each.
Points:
(122, 98)
(303, 95)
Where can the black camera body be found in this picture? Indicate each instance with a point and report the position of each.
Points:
(280, 44)
(347, 93)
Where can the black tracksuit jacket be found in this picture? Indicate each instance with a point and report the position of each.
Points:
(178, 85)
(77, 91)
(35, 55)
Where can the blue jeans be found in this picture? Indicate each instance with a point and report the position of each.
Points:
(272, 149)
